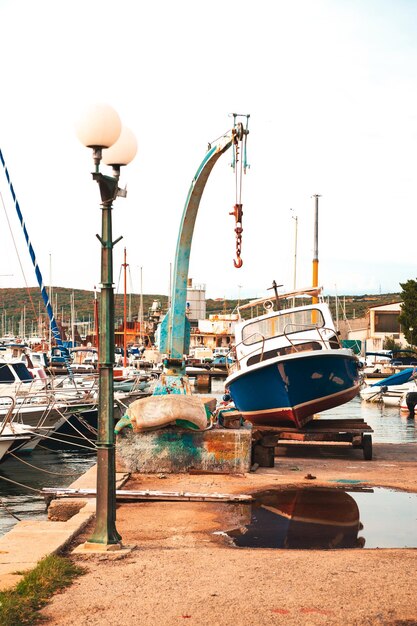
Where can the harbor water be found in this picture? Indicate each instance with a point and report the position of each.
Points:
(59, 468)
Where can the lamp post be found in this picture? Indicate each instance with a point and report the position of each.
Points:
(101, 130)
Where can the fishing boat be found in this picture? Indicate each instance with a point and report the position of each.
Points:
(289, 364)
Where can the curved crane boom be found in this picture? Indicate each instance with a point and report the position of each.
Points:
(174, 330)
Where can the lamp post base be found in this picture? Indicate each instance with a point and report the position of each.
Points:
(99, 548)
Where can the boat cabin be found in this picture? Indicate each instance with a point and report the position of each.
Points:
(14, 372)
(285, 331)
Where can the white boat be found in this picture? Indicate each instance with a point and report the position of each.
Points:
(389, 390)
(42, 406)
(289, 362)
(9, 441)
(15, 377)
(13, 436)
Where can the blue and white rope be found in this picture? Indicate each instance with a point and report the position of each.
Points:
(44, 293)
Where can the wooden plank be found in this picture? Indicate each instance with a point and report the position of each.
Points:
(335, 424)
(316, 436)
(340, 430)
(290, 442)
(354, 426)
(147, 494)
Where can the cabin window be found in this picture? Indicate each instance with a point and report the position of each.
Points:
(271, 354)
(22, 371)
(284, 323)
(334, 342)
(6, 376)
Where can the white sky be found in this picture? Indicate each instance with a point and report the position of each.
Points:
(332, 92)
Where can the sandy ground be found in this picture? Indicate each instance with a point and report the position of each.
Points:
(179, 571)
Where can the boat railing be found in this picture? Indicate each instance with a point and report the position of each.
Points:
(321, 338)
(17, 405)
(46, 400)
(324, 337)
(235, 365)
(7, 420)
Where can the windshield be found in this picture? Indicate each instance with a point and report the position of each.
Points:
(22, 372)
(277, 325)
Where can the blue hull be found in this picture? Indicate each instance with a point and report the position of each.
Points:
(290, 390)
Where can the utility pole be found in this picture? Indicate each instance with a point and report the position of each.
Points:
(295, 217)
(316, 245)
(238, 295)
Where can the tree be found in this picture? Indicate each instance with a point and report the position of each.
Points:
(408, 315)
(391, 344)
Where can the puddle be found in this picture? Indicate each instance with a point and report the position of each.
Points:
(317, 518)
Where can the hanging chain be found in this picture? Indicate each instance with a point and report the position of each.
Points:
(239, 135)
(238, 213)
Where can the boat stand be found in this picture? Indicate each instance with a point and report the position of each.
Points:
(337, 433)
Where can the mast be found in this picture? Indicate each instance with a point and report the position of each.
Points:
(73, 319)
(124, 265)
(96, 330)
(141, 309)
(50, 297)
(295, 218)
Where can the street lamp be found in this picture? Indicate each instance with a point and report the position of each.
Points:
(100, 129)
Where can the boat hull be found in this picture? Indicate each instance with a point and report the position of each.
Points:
(290, 390)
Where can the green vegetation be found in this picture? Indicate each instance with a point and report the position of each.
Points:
(20, 606)
(408, 315)
(352, 306)
(391, 344)
(18, 303)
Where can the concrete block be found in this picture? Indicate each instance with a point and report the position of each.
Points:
(174, 450)
(62, 509)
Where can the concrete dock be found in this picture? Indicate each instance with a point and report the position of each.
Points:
(30, 541)
(181, 566)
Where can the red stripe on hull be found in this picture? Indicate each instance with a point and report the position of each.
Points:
(299, 416)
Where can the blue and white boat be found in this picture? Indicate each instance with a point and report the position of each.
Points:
(289, 361)
(391, 389)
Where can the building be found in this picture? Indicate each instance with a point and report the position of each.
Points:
(215, 334)
(381, 323)
(196, 302)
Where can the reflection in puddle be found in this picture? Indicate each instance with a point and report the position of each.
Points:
(330, 519)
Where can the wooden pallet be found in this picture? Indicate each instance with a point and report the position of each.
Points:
(352, 433)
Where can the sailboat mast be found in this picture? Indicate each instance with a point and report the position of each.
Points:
(141, 309)
(124, 311)
(95, 318)
(50, 297)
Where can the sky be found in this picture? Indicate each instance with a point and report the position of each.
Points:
(330, 86)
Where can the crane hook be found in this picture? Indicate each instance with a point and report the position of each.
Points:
(237, 262)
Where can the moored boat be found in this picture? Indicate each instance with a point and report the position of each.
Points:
(289, 362)
(390, 390)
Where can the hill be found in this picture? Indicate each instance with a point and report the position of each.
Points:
(20, 304)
